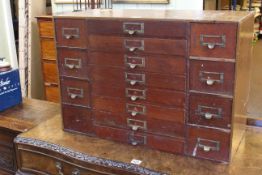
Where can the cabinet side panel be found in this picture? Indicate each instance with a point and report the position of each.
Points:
(242, 80)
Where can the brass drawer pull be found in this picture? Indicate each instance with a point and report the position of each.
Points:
(135, 109)
(212, 45)
(73, 63)
(136, 124)
(74, 93)
(76, 172)
(59, 168)
(210, 78)
(132, 28)
(133, 45)
(209, 112)
(133, 62)
(70, 33)
(135, 79)
(208, 145)
(135, 94)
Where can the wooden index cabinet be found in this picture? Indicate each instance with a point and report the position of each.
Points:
(168, 80)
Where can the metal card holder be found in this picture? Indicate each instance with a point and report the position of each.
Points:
(77, 63)
(70, 33)
(74, 93)
(132, 82)
(208, 115)
(136, 139)
(132, 28)
(202, 143)
(131, 48)
(136, 124)
(212, 45)
(133, 109)
(137, 94)
(204, 76)
(133, 65)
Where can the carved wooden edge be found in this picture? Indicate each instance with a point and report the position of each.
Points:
(84, 157)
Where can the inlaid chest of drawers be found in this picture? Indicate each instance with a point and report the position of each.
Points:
(176, 81)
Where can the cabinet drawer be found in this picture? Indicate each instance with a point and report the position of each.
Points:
(214, 77)
(50, 71)
(164, 143)
(166, 64)
(75, 92)
(77, 119)
(138, 28)
(48, 49)
(210, 110)
(208, 143)
(138, 45)
(71, 32)
(52, 92)
(46, 28)
(118, 77)
(119, 108)
(208, 41)
(73, 62)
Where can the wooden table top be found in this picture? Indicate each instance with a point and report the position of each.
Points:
(27, 115)
(247, 160)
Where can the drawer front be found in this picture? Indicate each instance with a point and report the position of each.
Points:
(38, 163)
(118, 109)
(48, 49)
(138, 45)
(164, 143)
(210, 110)
(115, 76)
(209, 76)
(164, 64)
(73, 63)
(52, 92)
(208, 143)
(142, 123)
(77, 119)
(7, 158)
(46, 28)
(71, 32)
(164, 29)
(75, 92)
(50, 71)
(208, 41)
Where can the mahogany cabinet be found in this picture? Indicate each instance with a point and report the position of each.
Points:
(48, 58)
(168, 80)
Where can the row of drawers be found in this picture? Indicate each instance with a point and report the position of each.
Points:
(203, 142)
(206, 40)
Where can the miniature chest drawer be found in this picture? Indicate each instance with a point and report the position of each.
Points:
(165, 64)
(73, 63)
(48, 49)
(213, 77)
(138, 45)
(50, 71)
(138, 28)
(71, 33)
(213, 40)
(46, 27)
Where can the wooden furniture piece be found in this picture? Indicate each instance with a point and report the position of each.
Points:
(48, 58)
(17, 120)
(169, 80)
(47, 149)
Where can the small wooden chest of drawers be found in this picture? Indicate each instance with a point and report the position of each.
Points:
(48, 58)
(162, 79)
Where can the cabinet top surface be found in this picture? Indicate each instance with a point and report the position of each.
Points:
(50, 132)
(220, 16)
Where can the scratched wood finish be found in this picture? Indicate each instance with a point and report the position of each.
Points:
(17, 120)
(175, 80)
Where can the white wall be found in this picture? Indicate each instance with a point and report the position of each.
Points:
(7, 40)
(173, 4)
